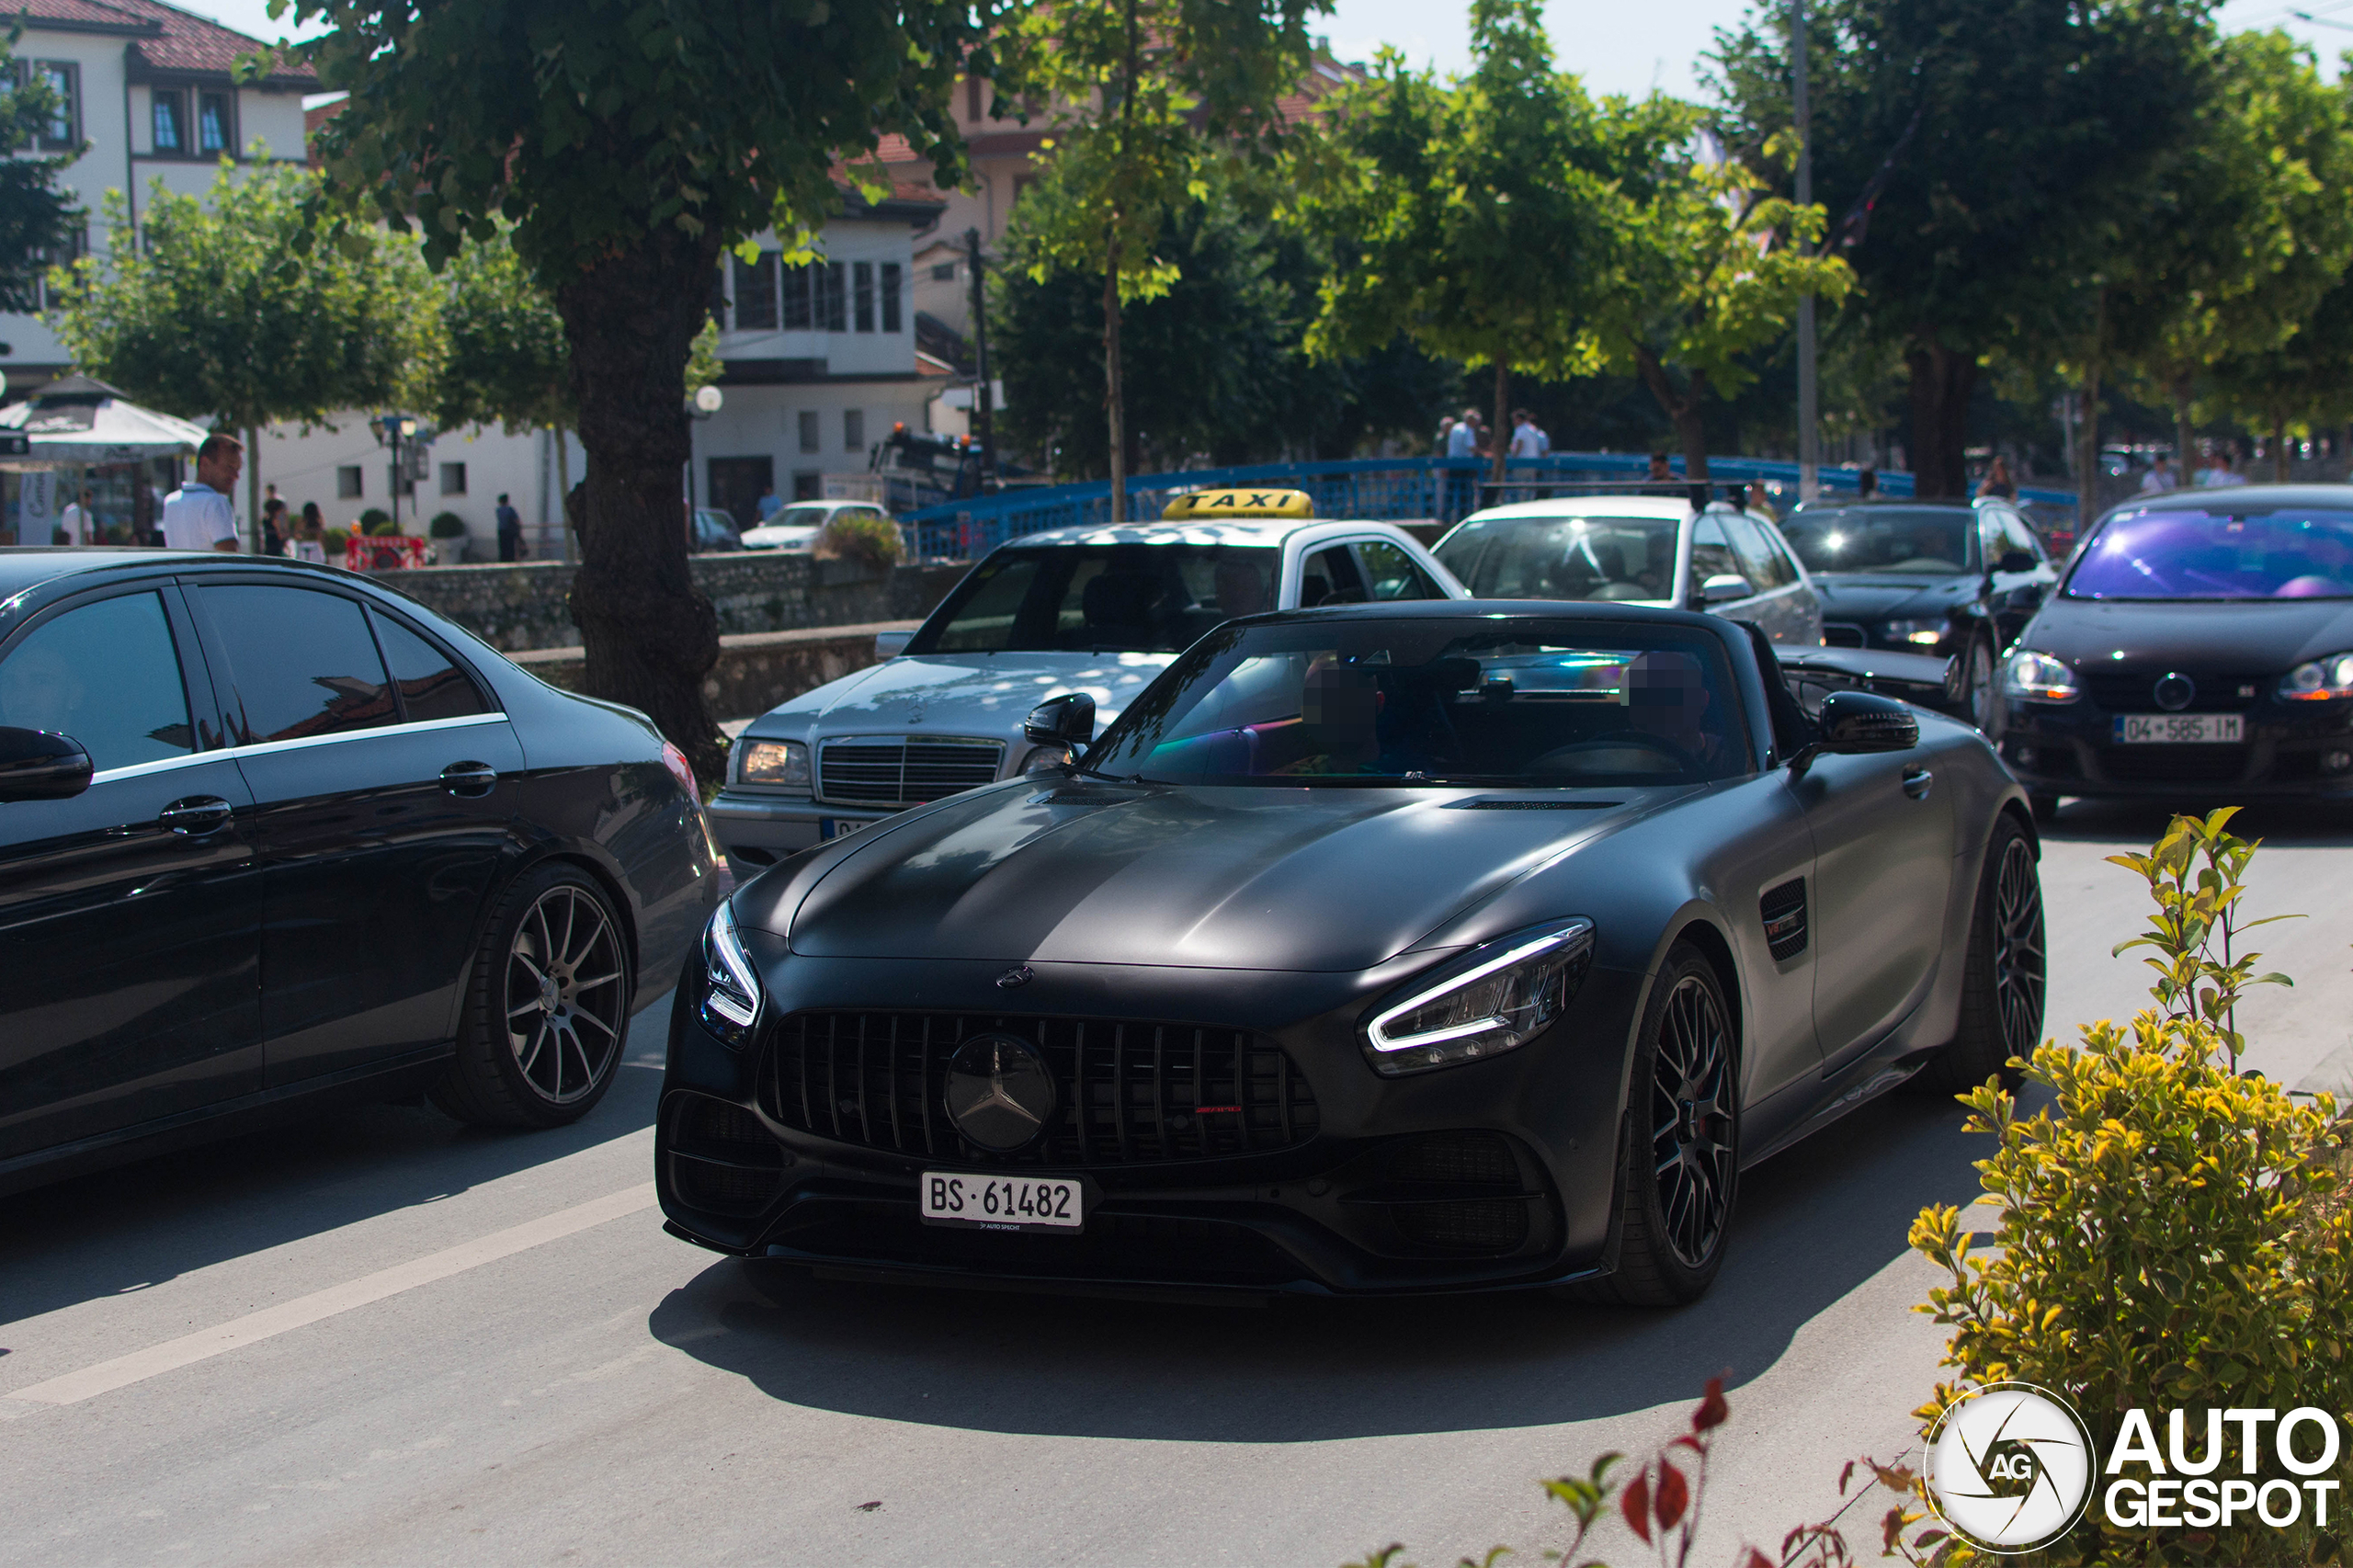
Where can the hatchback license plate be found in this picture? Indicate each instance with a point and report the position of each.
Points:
(1003, 1203)
(2179, 728)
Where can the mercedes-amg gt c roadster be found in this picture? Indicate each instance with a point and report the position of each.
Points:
(1439, 945)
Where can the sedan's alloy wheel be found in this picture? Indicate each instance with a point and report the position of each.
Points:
(1691, 1119)
(1981, 684)
(565, 997)
(2018, 960)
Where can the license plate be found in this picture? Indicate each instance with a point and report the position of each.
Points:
(837, 827)
(1002, 1203)
(2179, 728)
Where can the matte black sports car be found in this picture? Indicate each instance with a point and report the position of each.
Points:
(2201, 643)
(1421, 947)
(270, 832)
(1949, 579)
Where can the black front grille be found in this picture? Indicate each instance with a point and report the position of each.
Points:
(2174, 765)
(721, 1159)
(1482, 1225)
(1843, 634)
(2135, 691)
(1128, 1093)
(893, 770)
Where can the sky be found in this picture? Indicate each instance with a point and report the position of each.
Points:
(1618, 47)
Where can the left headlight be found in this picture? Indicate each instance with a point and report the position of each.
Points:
(1494, 998)
(779, 763)
(730, 1001)
(2318, 680)
(1920, 633)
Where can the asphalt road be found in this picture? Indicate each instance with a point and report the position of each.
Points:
(382, 1339)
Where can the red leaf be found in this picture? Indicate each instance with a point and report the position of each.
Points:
(1757, 1560)
(1674, 1496)
(1636, 1506)
(1690, 1442)
(1712, 1409)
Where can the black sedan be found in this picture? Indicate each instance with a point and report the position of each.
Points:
(1429, 947)
(1948, 579)
(2200, 644)
(270, 832)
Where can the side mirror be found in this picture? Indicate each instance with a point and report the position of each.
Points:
(1067, 719)
(37, 766)
(1852, 723)
(1724, 587)
(891, 644)
(2015, 560)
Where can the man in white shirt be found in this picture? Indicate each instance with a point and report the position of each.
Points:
(197, 516)
(2220, 476)
(75, 520)
(1527, 441)
(1462, 441)
(2159, 479)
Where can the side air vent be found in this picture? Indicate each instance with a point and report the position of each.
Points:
(1784, 911)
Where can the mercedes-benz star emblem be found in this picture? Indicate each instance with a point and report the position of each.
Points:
(1019, 974)
(2175, 692)
(1000, 1092)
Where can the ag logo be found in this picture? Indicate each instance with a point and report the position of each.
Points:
(2010, 1467)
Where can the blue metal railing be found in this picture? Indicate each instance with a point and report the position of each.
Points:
(1437, 490)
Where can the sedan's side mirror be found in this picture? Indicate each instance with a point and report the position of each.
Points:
(1067, 719)
(1724, 587)
(1852, 723)
(36, 765)
(2015, 560)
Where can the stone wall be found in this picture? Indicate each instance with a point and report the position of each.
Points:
(755, 670)
(523, 605)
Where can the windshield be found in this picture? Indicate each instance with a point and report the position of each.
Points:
(1880, 537)
(802, 517)
(1564, 558)
(1520, 703)
(2287, 554)
(1139, 598)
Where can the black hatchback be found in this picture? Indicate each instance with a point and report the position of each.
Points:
(2200, 644)
(270, 832)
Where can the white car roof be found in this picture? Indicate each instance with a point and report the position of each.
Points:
(1268, 531)
(1673, 507)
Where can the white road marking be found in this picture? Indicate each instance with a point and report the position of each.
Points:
(174, 1354)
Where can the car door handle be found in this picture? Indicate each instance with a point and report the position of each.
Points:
(196, 815)
(470, 779)
(1917, 782)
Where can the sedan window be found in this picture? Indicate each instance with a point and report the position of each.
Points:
(1330, 577)
(1615, 559)
(1101, 599)
(302, 663)
(431, 686)
(1394, 576)
(1711, 551)
(1936, 540)
(106, 675)
(1761, 561)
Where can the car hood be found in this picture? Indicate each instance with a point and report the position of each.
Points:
(1233, 878)
(1859, 596)
(960, 693)
(2240, 634)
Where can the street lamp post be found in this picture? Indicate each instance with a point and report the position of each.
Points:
(1808, 391)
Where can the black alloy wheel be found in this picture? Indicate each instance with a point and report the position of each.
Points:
(1680, 1170)
(2006, 972)
(1977, 680)
(547, 1007)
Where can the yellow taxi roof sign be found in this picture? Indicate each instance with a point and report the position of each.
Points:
(1208, 505)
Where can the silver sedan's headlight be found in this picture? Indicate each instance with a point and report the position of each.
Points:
(783, 764)
(731, 994)
(1494, 998)
(1921, 633)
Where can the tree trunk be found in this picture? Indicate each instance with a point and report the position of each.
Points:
(1114, 395)
(1686, 410)
(649, 634)
(2185, 434)
(2088, 505)
(2279, 448)
(1941, 380)
(1500, 439)
(564, 525)
(253, 484)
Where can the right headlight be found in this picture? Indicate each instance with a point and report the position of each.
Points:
(731, 1000)
(2041, 677)
(1494, 998)
(2319, 680)
(779, 763)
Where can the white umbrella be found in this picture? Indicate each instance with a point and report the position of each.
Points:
(80, 423)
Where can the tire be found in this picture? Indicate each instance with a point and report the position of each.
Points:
(1680, 1169)
(1981, 702)
(2004, 978)
(541, 1040)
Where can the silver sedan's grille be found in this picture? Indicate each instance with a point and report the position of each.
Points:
(902, 770)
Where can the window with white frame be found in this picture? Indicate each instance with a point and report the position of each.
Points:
(892, 319)
(453, 479)
(170, 106)
(811, 439)
(853, 429)
(216, 124)
(347, 482)
(61, 133)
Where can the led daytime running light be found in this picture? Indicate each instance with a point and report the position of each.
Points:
(733, 993)
(1522, 984)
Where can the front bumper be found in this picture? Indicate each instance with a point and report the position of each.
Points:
(1395, 1187)
(2291, 752)
(759, 830)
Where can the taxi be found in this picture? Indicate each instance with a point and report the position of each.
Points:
(1095, 611)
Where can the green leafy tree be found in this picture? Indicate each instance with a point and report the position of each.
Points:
(1481, 218)
(1978, 155)
(1147, 97)
(1716, 269)
(630, 143)
(36, 217)
(211, 311)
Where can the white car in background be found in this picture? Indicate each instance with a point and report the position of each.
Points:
(1645, 550)
(1096, 610)
(794, 528)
